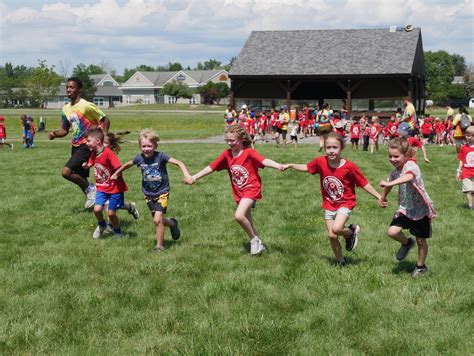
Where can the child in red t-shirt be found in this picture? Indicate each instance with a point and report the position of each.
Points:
(3, 134)
(374, 134)
(338, 179)
(439, 129)
(415, 143)
(356, 133)
(105, 163)
(465, 171)
(263, 126)
(242, 163)
(392, 127)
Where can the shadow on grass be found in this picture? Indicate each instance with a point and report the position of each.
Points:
(349, 260)
(403, 267)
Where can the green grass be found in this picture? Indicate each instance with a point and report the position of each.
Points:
(64, 293)
(190, 125)
(191, 107)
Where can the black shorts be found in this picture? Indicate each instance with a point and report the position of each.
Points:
(418, 228)
(294, 138)
(79, 155)
(158, 203)
(354, 140)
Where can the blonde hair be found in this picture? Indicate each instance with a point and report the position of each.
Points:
(375, 119)
(400, 144)
(150, 135)
(469, 130)
(240, 133)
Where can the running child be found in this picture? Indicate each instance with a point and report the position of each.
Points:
(415, 209)
(263, 126)
(113, 141)
(3, 134)
(242, 164)
(108, 190)
(293, 131)
(338, 179)
(439, 131)
(465, 171)
(155, 183)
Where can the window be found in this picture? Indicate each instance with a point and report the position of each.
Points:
(171, 100)
(99, 101)
(127, 99)
(66, 100)
(192, 100)
(146, 99)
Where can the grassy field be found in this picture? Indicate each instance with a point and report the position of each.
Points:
(64, 293)
(170, 126)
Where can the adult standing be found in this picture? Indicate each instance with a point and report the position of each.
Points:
(459, 137)
(79, 116)
(284, 119)
(409, 115)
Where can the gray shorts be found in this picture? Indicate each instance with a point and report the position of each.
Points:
(468, 185)
(331, 214)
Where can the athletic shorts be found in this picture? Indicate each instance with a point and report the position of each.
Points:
(468, 185)
(294, 138)
(79, 155)
(354, 140)
(115, 201)
(324, 129)
(158, 203)
(418, 228)
(331, 214)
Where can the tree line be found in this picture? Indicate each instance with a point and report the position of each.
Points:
(39, 84)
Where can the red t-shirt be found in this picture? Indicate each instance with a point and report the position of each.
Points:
(392, 129)
(243, 172)
(250, 126)
(375, 131)
(416, 143)
(3, 131)
(337, 184)
(105, 164)
(439, 128)
(427, 128)
(355, 131)
(262, 123)
(466, 155)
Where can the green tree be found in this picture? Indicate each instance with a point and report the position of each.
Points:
(229, 65)
(441, 67)
(212, 93)
(88, 86)
(177, 89)
(209, 65)
(174, 67)
(94, 69)
(43, 84)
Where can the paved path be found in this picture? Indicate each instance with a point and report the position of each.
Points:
(220, 139)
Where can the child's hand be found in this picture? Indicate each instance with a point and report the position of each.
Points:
(85, 165)
(114, 176)
(383, 202)
(189, 180)
(285, 167)
(281, 167)
(427, 160)
(384, 184)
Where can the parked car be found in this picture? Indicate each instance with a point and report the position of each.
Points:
(471, 103)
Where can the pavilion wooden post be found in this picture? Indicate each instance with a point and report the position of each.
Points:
(288, 94)
(349, 99)
(231, 94)
(410, 90)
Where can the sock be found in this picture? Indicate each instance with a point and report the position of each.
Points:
(117, 231)
(421, 267)
(102, 223)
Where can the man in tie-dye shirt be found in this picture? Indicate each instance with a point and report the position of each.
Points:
(79, 116)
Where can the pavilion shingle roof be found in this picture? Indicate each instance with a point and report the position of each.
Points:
(328, 52)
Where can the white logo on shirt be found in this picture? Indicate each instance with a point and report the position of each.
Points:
(101, 173)
(333, 187)
(469, 159)
(239, 174)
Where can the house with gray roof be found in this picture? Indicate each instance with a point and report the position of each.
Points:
(144, 87)
(374, 64)
(108, 94)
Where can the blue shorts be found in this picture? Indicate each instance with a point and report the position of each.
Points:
(116, 201)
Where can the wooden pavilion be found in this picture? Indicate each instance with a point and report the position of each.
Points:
(374, 64)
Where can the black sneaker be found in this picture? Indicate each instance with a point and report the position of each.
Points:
(404, 249)
(175, 232)
(351, 242)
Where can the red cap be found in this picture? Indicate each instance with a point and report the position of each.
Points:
(2, 118)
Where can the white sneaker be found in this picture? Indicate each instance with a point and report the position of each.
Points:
(109, 230)
(256, 246)
(98, 232)
(90, 197)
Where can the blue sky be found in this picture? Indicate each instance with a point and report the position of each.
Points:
(126, 33)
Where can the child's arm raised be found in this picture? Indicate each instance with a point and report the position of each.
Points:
(272, 164)
(187, 177)
(124, 166)
(296, 167)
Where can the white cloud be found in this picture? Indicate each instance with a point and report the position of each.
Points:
(131, 32)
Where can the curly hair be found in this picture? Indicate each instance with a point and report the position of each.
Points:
(240, 133)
